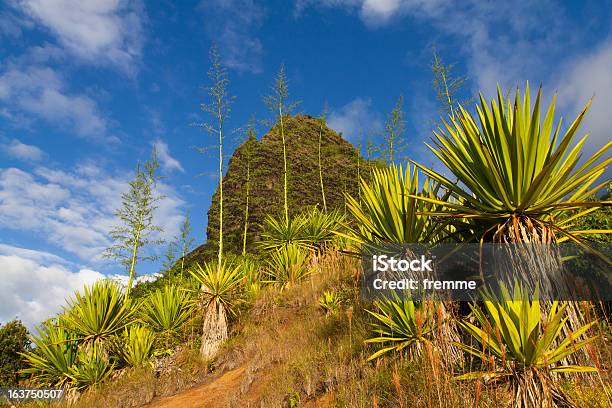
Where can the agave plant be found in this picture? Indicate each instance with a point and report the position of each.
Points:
(90, 369)
(524, 347)
(101, 312)
(220, 292)
(401, 324)
(516, 172)
(287, 265)
(388, 211)
(330, 302)
(166, 310)
(54, 355)
(281, 231)
(137, 346)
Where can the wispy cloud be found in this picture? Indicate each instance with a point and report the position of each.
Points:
(233, 24)
(22, 151)
(96, 32)
(168, 162)
(73, 210)
(584, 77)
(43, 92)
(355, 119)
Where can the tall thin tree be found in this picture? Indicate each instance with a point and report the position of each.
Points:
(395, 128)
(358, 171)
(185, 240)
(370, 147)
(136, 228)
(322, 122)
(445, 84)
(278, 103)
(218, 108)
(248, 152)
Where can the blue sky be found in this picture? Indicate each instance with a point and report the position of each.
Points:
(88, 87)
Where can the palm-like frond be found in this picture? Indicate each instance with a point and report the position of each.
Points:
(137, 342)
(219, 286)
(400, 323)
(514, 162)
(91, 368)
(287, 265)
(102, 311)
(330, 302)
(166, 310)
(511, 329)
(281, 231)
(319, 226)
(389, 212)
(55, 352)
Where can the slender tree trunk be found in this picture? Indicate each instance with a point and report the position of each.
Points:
(183, 262)
(220, 258)
(133, 263)
(391, 149)
(358, 176)
(246, 207)
(321, 169)
(285, 184)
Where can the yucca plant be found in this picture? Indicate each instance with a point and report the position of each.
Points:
(167, 309)
(90, 369)
(330, 302)
(388, 211)
(520, 346)
(281, 231)
(287, 265)
(55, 352)
(101, 312)
(401, 324)
(220, 292)
(251, 275)
(319, 227)
(515, 171)
(137, 346)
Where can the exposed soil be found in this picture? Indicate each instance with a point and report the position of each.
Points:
(216, 393)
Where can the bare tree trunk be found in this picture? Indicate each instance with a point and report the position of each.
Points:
(214, 331)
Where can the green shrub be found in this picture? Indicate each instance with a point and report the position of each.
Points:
(14, 340)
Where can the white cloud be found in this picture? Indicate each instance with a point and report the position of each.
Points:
(168, 162)
(376, 13)
(74, 210)
(585, 76)
(233, 25)
(95, 31)
(36, 284)
(41, 91)
(355, 119)
(22, 151)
